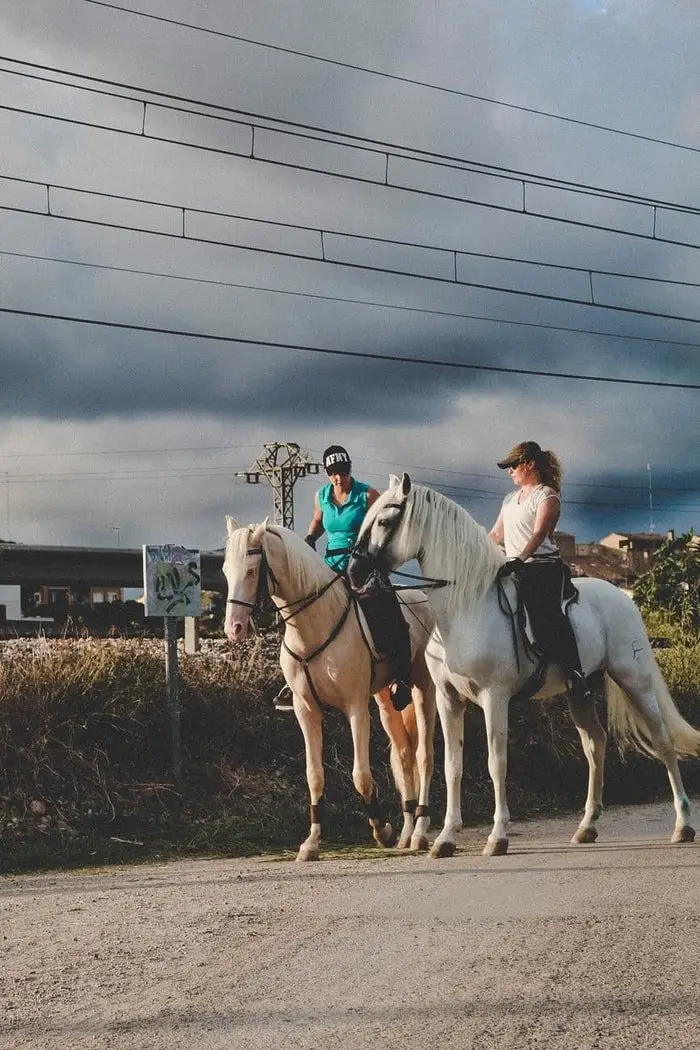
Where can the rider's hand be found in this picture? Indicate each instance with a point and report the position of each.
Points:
(311, 541)
(512, 566)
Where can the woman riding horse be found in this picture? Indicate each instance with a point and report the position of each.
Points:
(339, 509)
(524, 527)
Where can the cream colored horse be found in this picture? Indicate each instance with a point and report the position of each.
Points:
(327, 661)
(472, 656)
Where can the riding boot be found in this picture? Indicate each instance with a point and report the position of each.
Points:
(400, 695)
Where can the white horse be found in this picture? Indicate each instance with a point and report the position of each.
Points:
(327, 660)
(472, 655)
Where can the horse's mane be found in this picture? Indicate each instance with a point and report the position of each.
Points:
(452, 546)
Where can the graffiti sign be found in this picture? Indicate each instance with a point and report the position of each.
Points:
(172, 581)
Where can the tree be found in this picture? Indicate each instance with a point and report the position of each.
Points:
(672, 584)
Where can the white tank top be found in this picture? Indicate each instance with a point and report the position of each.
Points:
(519, 522)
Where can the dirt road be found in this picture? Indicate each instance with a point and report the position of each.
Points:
(551, 946)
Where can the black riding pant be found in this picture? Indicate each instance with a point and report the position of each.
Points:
(544, 585)
(389, 629)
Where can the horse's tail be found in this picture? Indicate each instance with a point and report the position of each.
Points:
(630, 729)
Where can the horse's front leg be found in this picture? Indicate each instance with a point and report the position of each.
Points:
(402, 759)
(451, 710)
(358, 717)
(424, 705)
(593, 741)
(495, 707)
(310, 720)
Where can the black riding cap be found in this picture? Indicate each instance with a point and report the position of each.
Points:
(525, 452)
(336, 459)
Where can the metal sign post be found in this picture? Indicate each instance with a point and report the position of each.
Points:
(172, 580)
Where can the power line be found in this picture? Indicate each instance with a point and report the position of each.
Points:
(314, 133)
(194, 473)
(522, 207)
(367, 459)
(323, 258)
(499, 477)
(352, 354)
(393, 76)
(355, 302)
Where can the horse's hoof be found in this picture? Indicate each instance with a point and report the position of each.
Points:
(497, 848)
(385, 836)
(684, 834)
(404, 844)
(583, 836)
(421, 844)
(443, 849)
(308, 853)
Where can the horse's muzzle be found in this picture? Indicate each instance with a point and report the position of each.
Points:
(360, 567)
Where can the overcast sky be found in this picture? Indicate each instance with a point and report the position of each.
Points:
(111, 435)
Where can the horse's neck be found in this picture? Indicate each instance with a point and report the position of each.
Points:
(310, 626)
(465, 559)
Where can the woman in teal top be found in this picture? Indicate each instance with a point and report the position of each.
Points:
(339, 508)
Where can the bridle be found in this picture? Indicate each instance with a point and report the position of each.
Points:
(427, 583)
(299, 605)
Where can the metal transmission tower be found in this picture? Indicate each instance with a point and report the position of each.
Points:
(281, 465)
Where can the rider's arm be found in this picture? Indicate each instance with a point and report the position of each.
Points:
(315, 529)
(546, 520)
(497, 534)
(372, 495)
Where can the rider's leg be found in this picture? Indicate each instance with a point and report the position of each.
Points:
(542, 585)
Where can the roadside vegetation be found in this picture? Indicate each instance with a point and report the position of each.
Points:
(85, 754)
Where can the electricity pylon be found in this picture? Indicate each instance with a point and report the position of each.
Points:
(281, 465)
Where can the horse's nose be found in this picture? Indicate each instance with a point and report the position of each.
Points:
(235, 631)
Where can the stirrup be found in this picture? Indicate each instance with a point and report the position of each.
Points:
(282, 701)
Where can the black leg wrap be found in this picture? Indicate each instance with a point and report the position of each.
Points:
(422, 811)
(409, 805)
(372, 807)
(318, 812)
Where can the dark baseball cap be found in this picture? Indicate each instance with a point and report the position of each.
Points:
(522, 453)
(336, 459)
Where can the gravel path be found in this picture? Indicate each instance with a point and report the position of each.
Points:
(552, 946)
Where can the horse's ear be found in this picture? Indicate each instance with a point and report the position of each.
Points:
(232, 525)
(405, 483)
(394, 481)
(258, 532)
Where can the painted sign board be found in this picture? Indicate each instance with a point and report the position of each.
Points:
(172, 580)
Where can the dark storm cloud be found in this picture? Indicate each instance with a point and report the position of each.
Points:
(607, 65)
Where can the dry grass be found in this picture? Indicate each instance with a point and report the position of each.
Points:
(85, 755)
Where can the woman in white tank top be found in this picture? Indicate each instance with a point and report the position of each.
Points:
(525, 528)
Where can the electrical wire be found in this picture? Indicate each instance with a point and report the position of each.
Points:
(110, 267)
(350, 354)
(317, 133)
(324, 260)
(392, 76)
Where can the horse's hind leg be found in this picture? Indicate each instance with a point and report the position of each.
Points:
(593, 740)
(309, 718)
(647, 710)
(358, 717)
(402, 761)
